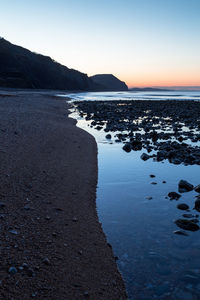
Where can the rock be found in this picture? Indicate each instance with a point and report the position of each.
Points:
(127, 147)
(187, 224)
(33, 295)
(27, 207)
(197, 205)
(197, 188)
(136, 145)
(183, 206)
(174, 196)
(30, 272)
(12, 270)
(2, 205)
(46, 261)
(185, 186)
(13, 231)
(86, 294)
(145, 156)
(180, 232)
(190, 216)
(25, 265)
(190, 278)
(108, 136)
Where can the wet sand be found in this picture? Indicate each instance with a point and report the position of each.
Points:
(52, 245)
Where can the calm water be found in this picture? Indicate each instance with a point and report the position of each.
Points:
(155, 263)
(178, 95)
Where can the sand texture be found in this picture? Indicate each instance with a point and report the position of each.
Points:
(52, 245)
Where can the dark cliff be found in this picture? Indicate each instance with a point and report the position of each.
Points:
(21, 68)
(109, 82)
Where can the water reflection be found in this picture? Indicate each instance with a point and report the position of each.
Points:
(155, 263)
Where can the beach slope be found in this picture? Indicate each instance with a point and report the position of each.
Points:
(52, 245)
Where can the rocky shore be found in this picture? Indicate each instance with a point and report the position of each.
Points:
(52, 245)
(164, 129)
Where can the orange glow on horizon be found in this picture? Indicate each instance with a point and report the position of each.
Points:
(148, 82)
(159, 84)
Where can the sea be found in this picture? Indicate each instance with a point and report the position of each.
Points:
(161, 95)
(138, 218)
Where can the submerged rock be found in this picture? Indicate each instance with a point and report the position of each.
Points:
(180, 232)
(187, 224)
(189, 216)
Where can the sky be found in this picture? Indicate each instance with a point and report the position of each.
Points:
(142, 42)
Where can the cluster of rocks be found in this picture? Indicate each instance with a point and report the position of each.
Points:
(189, 221)
(168, 129)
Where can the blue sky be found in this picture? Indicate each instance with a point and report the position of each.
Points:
(144, 42)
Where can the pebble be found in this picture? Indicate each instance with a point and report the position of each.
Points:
(30, 272)
(34, 294)
(13, 231)
(12, 270)
(46, 261)
(2, 205)
(27, 207)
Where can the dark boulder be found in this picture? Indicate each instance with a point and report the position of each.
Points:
(174, 196)
(127, 147)
(197, 205)
(185, 186)
(183, 206)
(187, 224)
(145, 156)
(197, 188)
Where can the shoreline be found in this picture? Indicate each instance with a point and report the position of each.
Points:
(51, 237)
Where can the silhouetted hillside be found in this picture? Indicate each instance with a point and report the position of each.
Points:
(21, 68)
(109, 82)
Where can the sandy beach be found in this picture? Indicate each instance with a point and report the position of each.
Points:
(52, 245)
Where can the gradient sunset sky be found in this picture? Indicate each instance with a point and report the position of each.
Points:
(142, 42)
